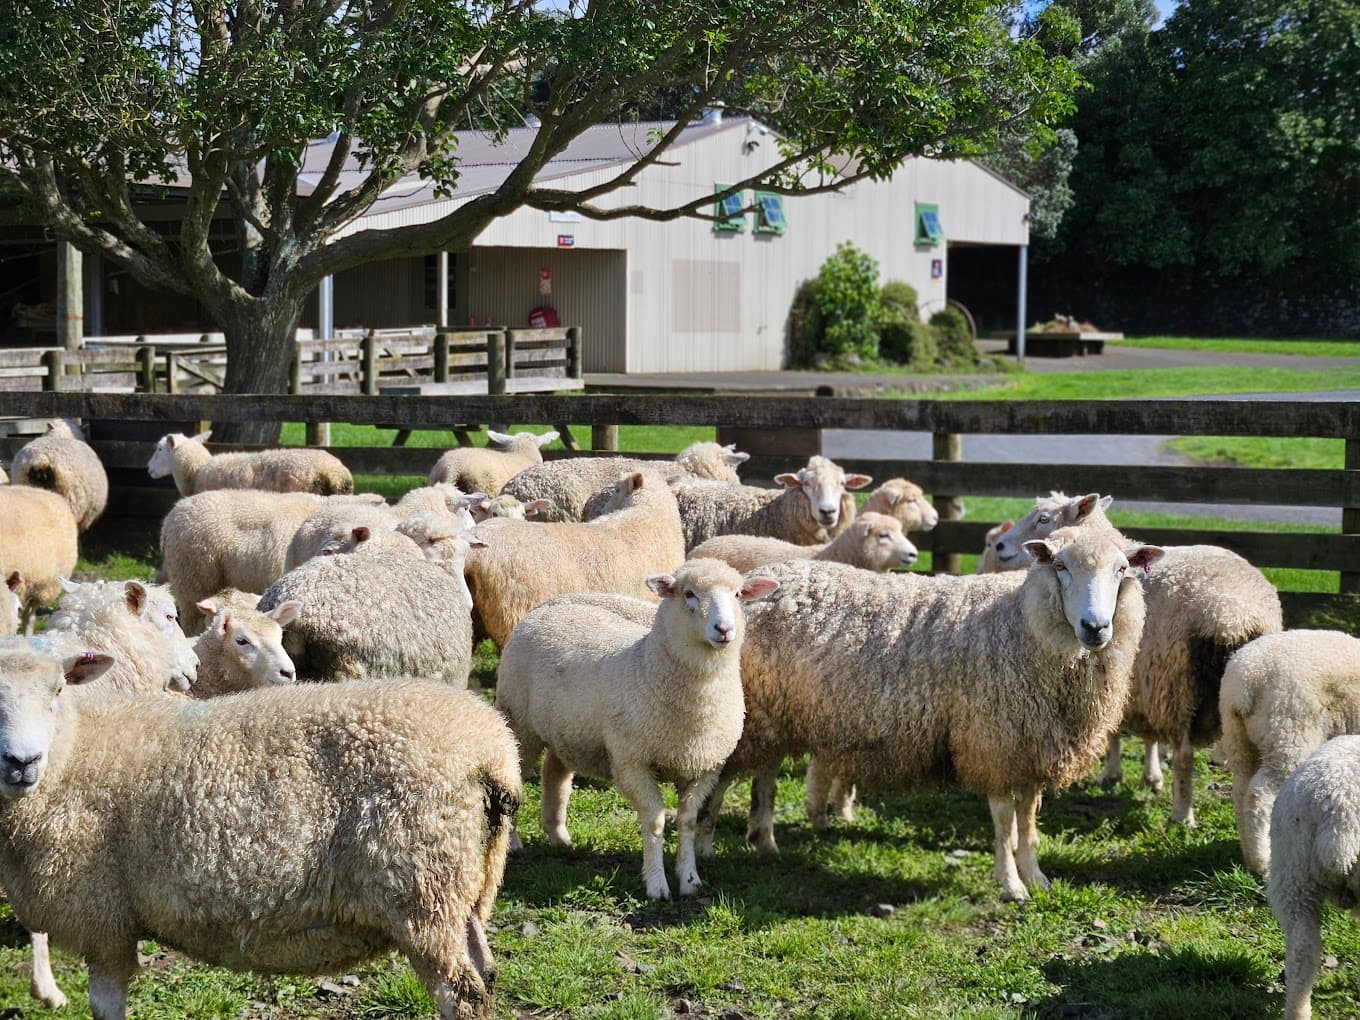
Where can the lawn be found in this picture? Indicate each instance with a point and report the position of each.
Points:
(1140, 383)
(1238, 345)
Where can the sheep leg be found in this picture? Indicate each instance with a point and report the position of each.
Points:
(110, 976)
(640, 789)
(1152, 765)
(760, 820)
(686, 815)
(1253, 798)
(1027, 844)
(44, 985)
(1183, 783)
(530, 747)
(842, 799)
(1003, 828)
(1113, 771)
(1302, 924)
(555, 781)
(458, 978)
(819, 783)
(708, 817)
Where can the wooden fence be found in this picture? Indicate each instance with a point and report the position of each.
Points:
(945, 476)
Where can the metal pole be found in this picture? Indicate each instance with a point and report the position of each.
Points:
(319, 432)
(1023, 284)
(441, 301)
(70, 297)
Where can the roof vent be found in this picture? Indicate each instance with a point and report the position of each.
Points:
(712, 115)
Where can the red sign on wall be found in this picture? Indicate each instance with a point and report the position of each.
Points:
(566, 240)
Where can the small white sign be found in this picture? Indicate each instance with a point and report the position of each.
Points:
(564, 217)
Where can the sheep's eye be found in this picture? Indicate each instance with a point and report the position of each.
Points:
(690, 595)
(884, 536)
(1060, 568)
(242, 641)
(1043, 518)
(912, 499)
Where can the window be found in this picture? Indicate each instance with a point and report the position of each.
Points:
(928, 229)
(770, 213)
(728, 210)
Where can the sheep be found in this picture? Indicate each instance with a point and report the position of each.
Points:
(367, 816)
(813, 507)
(506, 505)
(1283, 695)
(873, 541)
(378, 616)
(11, 595)
(242, 648)
(1051, 512)
(526, 563)
(1315, 854)
(577, 488)
(62, 462)
(1005, 683)
(478, 469)
(987, 563)
(38, 540)
(614, 699)
(292, 470)
(904, 500)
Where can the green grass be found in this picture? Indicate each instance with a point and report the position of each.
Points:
(1239, 345)
(1274, 452)
(650, 438)
(1127, 384)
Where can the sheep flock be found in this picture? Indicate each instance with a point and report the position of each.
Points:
(271, 762)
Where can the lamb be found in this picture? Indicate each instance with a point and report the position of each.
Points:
(242, 648)
(527, 563)
(904, 500)
(988, 563)
(1315, 849)
(1283, 695)
(478, 469)
(615, 699)
(38, 540)
(61, 462)
(444, 498)
(228, 825)
(292, 470)
(814, 506)
(1005, 683)
(873, 541)
(577, 488)
(506, 505)
(330, 530)
(377, 616)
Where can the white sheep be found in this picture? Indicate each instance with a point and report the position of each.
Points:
(576, 488)
(1005, 683)
(296, 469)
(1315, 859)
(1283, 695)
(241, 648)
(638, 704)
(506, 505)
(480, 469)
(814, 506)
(11, 595)
(444, 498)
(1051, 512)
(61, 462)
(873, 541)
(526, 563)
(987, 563)
(904, 500)
(38, 540)
(374, 816)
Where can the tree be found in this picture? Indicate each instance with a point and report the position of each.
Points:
(102, 99)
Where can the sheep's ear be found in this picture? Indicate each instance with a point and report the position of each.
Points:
(51, 426)
(67, 585)
(891, 496)
(15, 581)
(285, 612)
(535, 506)
(662, 585)
(360, 533)
(634, 481)
(224, 621)
(1086, 506)
(733, 456)
(208, 607)
(472, 499)
(1105, 502)
(472, 538)
(1006, 526)
(87, 666)
(171, 440)
(1040, 550)
(499, 438)
(203, 437)
(1145, 556)
(135, 594)
(857, 481)
(546, 438)
(757, 588)
(789, 480)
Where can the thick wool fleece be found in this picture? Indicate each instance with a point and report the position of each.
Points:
(293, 470)
(64, 464)
(873, 541)
(486, 469)
(38, 539)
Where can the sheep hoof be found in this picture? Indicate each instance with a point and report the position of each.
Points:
(1153, 783)
(818, 821)
(52, 998)
(657, 889)
(846, 812)
(763, 842)
(559, 837)
(688, 885)
(1016, 893)
(1187, 820)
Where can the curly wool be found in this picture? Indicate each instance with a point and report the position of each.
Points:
(873, 541)
(38, 539)
(290, 470)
(482, 469)
(63, 463)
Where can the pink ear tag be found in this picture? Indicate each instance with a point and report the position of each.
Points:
(87, 658)
(1147, 567)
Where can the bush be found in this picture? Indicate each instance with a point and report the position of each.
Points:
(901, 295)
(953, 337)
(805, 326)
(904, 339)
(848, 301)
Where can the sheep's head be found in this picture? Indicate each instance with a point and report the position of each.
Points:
(1090, 569)
(709, 460)
(709, 594)
(157, 607)
(252, 642)
(823, 482)
(521, 441)
(162, 460)
(1050, 513)
(907, 502)
(987, 562)
(883, 542)
(31, 681)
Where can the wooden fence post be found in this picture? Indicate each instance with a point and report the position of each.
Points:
(1350, 515)
(368, 365)
(495, 362)
(574, 352)
(54, 362)
(441, 357)
(172, 372)
(295, 371)
(146, 368)
(947, 446)
(510, 339)
(604, 437)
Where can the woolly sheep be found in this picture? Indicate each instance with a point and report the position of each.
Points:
(526, 563)
(506, 505)
(577, 488)
(814, 506)
(1315, 854)
(443, 498)
(1051, 512)
(229, 823)
(331, 530)
(61, 462)
(904, 500)
(377, 616)
(479, 469)
(1005, 683)
(11, 594)
(1283, 695)
(38, 541)
(291, 470)
(873, 541)
(610, 698)
(987, 563)
(241, 647)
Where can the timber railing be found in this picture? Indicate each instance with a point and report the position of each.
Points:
(944, 474)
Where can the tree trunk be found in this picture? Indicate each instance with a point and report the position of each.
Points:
(260, 340)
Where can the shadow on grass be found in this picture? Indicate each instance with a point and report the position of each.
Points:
(13, 935)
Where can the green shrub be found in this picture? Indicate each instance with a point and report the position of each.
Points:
(953, 337)
(805, 326)
(901, 295)
(848, 300)
(905, 340)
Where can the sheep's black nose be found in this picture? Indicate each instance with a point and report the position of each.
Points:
(15, 762)
(287, 674)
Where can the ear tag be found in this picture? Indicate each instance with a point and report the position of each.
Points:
(1147, 567)
(87, 658)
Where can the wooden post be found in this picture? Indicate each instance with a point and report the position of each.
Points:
(54, 362)
(495, 362)
(295, 371)
(146, 368)
(510, 353)
(948, 446)
(171, 372)
(441, 357)
(368, 365)
(604, 437)
(574, 352)
(70, 296)
(1350, 515)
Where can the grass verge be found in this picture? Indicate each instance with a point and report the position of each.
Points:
(1301, 347)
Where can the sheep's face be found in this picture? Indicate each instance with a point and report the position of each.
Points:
(987, 562)
(253, 643)
(158, 609)
(907, 502)
(1049, 514)
(711, 593)
(1090, 571)
(30, 684)
(162, 460)
(885, 543)
(823, 483)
